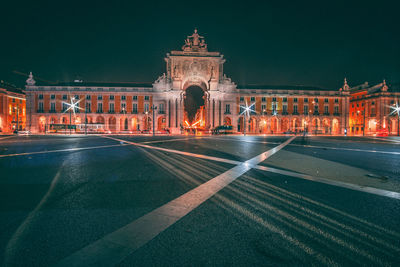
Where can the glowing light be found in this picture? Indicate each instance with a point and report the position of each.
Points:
(187, 123)
(396, 109)
(73, 105)
(247, 109)
(196, 123)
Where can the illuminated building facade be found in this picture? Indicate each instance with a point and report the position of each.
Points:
(194, 92)
(12, 108)
(372, 109)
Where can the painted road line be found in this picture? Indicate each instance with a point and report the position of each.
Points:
(320, 147)
(6, 137)
(348, 149)
(365, 189)
(246, 141)
(114, 247)
(235, 162)
(388, 140)
(61, 150)
(173, 140)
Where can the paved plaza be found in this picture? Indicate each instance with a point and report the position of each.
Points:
(112, 200)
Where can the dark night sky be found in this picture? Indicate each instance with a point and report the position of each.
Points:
(285, 43)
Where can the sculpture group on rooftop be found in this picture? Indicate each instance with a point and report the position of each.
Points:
(195, 43)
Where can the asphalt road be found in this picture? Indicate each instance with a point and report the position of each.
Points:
(186, 200)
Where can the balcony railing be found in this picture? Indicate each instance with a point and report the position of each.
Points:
(336, 114)
(161, 112)
(227, 112)
(52, 111)
(40, 111)
(134, 112)
(99, 111)
(111, 112)
(295, 113)
(316, 113)
(326, 114)
(285, 113)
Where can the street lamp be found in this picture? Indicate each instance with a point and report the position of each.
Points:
(153, 109)
(247, 111)
(86, 106)
(396, 109)
(16, 108)
(71, 108)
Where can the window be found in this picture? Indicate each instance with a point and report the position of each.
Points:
(40, 106)
(305, 100)
(241, 99)
(40, 97)
(372, 112)
(273, 107)
(111, 97)
(64, 97)
(88, 97)
(134, 97)
(123, 97)
(336, 109)
(326, 100)
(99, 107)
(52, 107)
(123, 106)
(13, 100)
(146, 97)
(88, 108)
(53, 96)
(161, 108)
(295, 100)
(336, 100)
(316, 100)
(316, 109)
(252, 99)
(264, 108)
(263, 99)
(306, 109)
(111, 109)
(284, 99)
(146, 107)
(373, 103)
(274, 99)
(76, 97)
(64, 107)
(326, 109)
(284, 109)
(227, 109)
(134, 108)
(295, 109)
(99, 97)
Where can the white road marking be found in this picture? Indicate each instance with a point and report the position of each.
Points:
(6, 137)
(366, 189)
(349, 149)
(60, 150)
(235, 162)
(114, 247)
(321, 147)
(173, 140)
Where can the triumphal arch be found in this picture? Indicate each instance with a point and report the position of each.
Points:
(194, 86)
